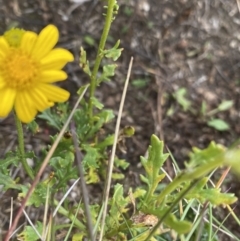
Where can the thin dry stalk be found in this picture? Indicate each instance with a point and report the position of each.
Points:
(111, 161)
(82, 183)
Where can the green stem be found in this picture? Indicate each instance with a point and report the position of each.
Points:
(23, 160)
(68, 214)
(108, 21)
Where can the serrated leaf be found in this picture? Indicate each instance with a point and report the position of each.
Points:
(11, 159)
(113, 53)
(99, 120)
(117, 207)
(122, 163)
(108, 71)
(8, 182)
(152, 165)
(118, 201)
(29, 234)
(49, 117)
(218, 124)
(225, 105)
(92, 176)
(213, 195)
(200, 156)
(37, 198)
(91, 157)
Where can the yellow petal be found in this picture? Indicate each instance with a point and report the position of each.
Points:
(2, 82)
(24, 107)
(28, 41)
(51, 76)
(56, 59)
(46, 40)
(4, 46)
(40, 100)
(54, 93)
(7, 100)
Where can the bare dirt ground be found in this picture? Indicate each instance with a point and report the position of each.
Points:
(186, 43)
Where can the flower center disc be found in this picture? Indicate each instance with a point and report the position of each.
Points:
(20, 69)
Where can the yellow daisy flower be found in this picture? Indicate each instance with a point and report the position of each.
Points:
(27, 71)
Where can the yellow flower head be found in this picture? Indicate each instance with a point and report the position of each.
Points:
(27, 70)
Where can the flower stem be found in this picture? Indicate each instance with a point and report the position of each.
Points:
(107, 25)
(23, 160)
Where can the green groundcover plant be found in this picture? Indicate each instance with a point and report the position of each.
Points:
(178, 209)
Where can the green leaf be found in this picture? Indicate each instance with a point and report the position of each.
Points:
(108, 71)
(50, 118)
(225, 105)
(108, 141)
(83, 62)
(152, 165)
(37, 198)
(12, 158)
(218, 124)
(29, 234)
(118, 206)
(198, 156)
(179, 226)
(97, 103)
(119, 203)
(56, 117)
(122, 163)
(113, 53)
(212, 195)
(8, 182)
(89, 40)
(117, 176)
(83, 123)
(91, 157)
(33, 127)
(92, 176)
(179, 95)
(99, 120)
(139, 83)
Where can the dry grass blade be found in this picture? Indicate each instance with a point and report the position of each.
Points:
(110, 167)
(83, 184)
(32, 225)
(45, 163)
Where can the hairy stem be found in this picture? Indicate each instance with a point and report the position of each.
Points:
(23, 160)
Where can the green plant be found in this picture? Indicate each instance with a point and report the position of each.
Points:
(147, 212)
(207, 117)
(216, 123)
